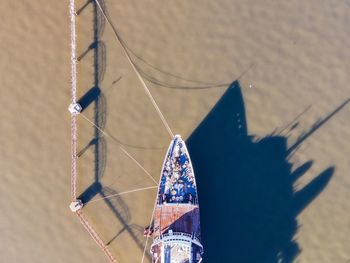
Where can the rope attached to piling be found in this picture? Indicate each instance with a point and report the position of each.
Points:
(74, 157)
(134, 67)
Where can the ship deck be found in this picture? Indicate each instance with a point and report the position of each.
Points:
(177, 217)
(177, 182)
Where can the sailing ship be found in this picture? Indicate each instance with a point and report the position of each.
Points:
(176, 225)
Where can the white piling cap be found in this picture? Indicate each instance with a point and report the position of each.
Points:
(77, 205)
(75, 108)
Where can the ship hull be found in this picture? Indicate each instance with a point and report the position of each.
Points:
(176, 226)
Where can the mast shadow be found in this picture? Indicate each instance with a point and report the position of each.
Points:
(249, 205)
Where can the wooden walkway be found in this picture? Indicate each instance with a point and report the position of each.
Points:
(74, 156)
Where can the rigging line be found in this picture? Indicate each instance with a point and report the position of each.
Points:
(205, 84)
(199, 87)
(123, 193)
(167, 72)
(137, 147)
(124, 151)
(136, 70)
(294, 120)
(166, 85)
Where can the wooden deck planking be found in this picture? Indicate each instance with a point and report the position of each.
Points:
(179, 218)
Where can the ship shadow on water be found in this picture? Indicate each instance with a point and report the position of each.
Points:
(249, 204)
(95, 98)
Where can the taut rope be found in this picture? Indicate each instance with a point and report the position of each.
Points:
(123, 193)
(136, 70)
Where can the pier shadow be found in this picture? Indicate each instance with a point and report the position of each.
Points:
(95, 98)
(249, 204)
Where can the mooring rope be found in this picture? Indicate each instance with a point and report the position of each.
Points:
(123, 149)
(74, 156)
(150, 223)
(136, 70)
(149, 95)
(122, 193)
